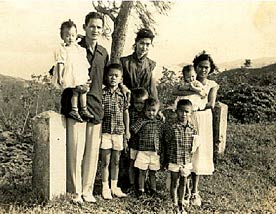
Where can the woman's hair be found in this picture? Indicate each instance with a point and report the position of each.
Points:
(67, 24)
(186, 69)
(202, 57)
(93, 15)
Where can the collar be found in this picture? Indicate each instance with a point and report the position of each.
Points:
(107, 90)
(98, 48)
(137, 59)
(188, 124)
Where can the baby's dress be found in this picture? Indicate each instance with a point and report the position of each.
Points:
(76, 65)
(203, 157)
(197, 102)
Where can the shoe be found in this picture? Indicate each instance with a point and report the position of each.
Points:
(77, 199)
(75, 115)
(195, 199)
(86, 115)
(106, 193)
(118, 192)
(89, 198)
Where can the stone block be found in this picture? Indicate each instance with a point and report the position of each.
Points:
(219, 127)
(49, 159)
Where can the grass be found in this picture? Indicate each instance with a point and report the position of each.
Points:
(244, 181)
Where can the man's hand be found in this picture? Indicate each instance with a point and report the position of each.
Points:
(126, 92)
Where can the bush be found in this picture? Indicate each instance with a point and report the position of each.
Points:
(248, 103)
(19, 103)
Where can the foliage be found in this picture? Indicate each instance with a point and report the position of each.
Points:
(19, 103)
(248, 103)
(249, 93)
(166, 85)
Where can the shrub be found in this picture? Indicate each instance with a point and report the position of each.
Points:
(248, 103)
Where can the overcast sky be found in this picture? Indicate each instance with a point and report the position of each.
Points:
(228, 30)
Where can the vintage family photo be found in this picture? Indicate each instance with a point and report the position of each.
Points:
(137, 107)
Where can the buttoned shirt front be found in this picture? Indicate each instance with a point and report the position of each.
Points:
(179, 141)
(149, 134)
(114, 105)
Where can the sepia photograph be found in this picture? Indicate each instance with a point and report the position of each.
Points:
(129, 107)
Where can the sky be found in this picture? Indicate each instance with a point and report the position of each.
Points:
(228, 30)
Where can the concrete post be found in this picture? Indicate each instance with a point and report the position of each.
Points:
(220, 127)
(49, 159)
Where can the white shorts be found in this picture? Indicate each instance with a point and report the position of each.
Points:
(185, 170)
(133, 153)
(112, 141)
(147, 160)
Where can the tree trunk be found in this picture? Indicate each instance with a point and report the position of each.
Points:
(120, 29)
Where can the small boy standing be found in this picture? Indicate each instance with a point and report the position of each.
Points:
(180, 143)
(149, 131)
(115, 127)
(138, 97)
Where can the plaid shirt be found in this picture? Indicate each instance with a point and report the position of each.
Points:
(134, 115)
(179, 140)
(114, 105)
(149, 134)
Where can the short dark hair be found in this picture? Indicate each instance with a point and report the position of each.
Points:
(150, 102)
(202, 57)
(187, 68)
(113, 66)
(144, 33)
(139, 93)
(183, 102)
(93, 15)
(67, 24)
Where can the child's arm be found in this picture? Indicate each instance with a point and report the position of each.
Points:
(182, 90)
(126, 122)
(197, 87)
(60, 67)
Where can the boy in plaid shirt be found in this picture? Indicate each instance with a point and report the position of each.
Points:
(149, 131)
(180, 142)
(115, 127)
(138, 97)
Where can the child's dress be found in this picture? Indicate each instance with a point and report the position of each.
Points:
(76, 65)
(203, 157)
(196, 100)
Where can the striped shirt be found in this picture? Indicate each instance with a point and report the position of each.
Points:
(114, 105)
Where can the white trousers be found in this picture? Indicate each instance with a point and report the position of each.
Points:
(83, 143)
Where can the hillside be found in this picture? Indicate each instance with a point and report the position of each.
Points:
(264, 76)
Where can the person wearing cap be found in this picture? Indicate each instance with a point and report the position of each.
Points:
(137, 67)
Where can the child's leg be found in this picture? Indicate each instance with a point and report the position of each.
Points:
(131, 172)
(105, 154)
(174, 184)
(115, 159)
(142, 176)
(83, 102)
(195, 182)
(152, 178)
(74, 102)
(182, 189)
